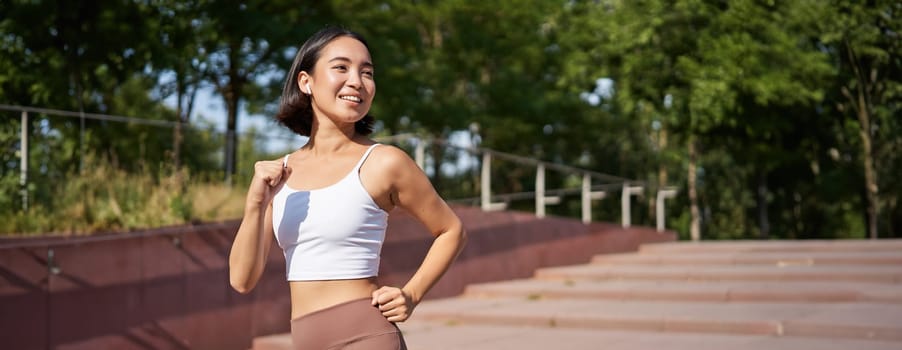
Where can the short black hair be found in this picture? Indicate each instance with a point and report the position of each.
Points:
(295, 111)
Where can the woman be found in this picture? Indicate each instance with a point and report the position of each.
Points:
(327, 205)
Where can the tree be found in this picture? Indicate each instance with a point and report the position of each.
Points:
(82, 50)
(865, 41)
(444, 66)
(250, 45)
(643, 47)
(178, 57)
(759, 77)
(738, 83)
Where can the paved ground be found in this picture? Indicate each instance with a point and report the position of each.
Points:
(712, 295)
(438, 336)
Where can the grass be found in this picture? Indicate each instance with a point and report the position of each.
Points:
(103, 198)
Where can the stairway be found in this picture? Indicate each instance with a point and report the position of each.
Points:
(717, 295)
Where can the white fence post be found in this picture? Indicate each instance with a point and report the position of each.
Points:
(625, 202)
(587, 197)
(540, 190)
(659, 206)
(541, 199)
(420, 154)
(486, 190)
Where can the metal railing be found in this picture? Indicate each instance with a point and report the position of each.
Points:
(544, 197)
(594, 185)
(23, 145)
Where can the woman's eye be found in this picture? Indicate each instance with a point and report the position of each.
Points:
(341, 68)
(368, 73)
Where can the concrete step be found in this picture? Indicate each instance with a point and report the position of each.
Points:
(280, 341)
(455, 336)
(756, 273)
(835, 320)
(717, 295)
(445, 336)
(891, 245)
(753, 258)
(716, 291)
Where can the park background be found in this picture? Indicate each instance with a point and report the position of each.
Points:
(773, 119)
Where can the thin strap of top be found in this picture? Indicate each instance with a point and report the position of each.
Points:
(356, 167)
(365, 155)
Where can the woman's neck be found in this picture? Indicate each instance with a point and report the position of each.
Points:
(330, 138)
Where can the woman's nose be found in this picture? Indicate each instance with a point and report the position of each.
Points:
(353, 80)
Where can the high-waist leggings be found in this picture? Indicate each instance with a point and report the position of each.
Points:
(355, 324)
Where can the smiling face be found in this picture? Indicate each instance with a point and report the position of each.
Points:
(341, 84)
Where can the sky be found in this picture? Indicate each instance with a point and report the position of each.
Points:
(209, 109)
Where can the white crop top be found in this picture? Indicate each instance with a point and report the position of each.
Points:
(331, 233)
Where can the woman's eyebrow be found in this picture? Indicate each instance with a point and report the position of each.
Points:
(345, 59)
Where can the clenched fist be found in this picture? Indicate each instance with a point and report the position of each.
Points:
(269, 177)
(396, 304)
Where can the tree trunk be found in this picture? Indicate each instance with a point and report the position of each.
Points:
(177, 131)
(695, 225)
(870, 176)
(763, 220)
(862, 105)
(79, 89)
(184, 107)
(230, 97)
(662, 174)
(438, 155)
(662, 169)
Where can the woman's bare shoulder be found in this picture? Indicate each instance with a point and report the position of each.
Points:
(391, 153)
(393, 160)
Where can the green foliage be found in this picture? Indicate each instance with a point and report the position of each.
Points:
(761, 88)
(750, 81)
(864, 42)
(81, 48)
(104, 198)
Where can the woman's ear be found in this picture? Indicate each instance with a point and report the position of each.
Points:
(304, 82)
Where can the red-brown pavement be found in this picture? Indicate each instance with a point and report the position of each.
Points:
(709, 295)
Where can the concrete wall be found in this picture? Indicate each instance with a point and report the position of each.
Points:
(168, 288)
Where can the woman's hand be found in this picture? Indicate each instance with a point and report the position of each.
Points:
(269, 177)
(396, 304)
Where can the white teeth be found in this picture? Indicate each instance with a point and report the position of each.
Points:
(350, 98)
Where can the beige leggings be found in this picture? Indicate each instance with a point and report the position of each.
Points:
(355, 324)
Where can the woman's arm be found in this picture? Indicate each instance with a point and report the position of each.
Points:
(412, 191)
(251, 246)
